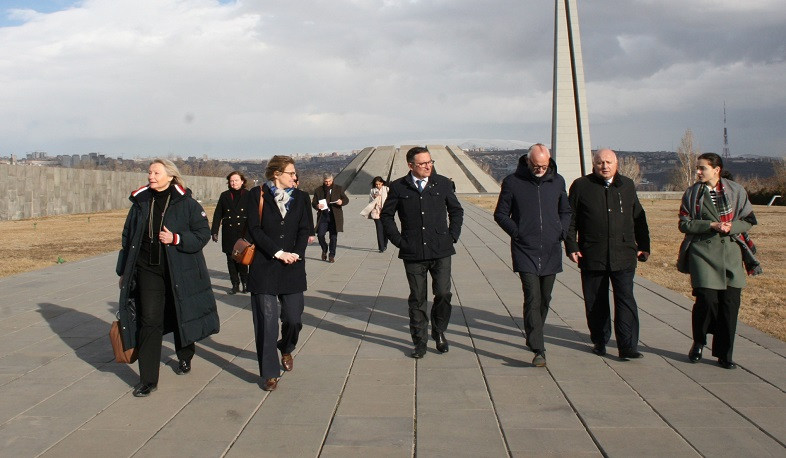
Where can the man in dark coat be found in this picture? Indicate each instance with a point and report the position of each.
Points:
(330, 215)
(431, 218)
(608, 233)
(533, 209)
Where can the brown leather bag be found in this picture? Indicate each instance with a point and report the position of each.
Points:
(243, 250)
(121, 356)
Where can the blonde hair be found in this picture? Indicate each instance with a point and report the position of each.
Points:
(277, 164)
(171, 170)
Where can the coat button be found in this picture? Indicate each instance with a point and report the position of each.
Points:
(282, 223)
(282, 236)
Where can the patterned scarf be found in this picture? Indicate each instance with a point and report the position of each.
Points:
(726, 214)
(721, 203)
(283, 197)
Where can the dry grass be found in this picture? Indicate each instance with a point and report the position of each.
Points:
(763, 307)
(36, 243)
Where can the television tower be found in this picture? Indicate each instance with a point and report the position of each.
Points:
(725, 135)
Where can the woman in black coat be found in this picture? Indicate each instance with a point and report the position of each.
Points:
(164, 281)
(231, 210)
(277, 277)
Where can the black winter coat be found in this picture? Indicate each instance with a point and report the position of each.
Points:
(430, 221)
(535, 213)
(232, 214)
(268, 275)
(195, 304)
(609, 225)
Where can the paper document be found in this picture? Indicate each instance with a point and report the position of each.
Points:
(322, 202)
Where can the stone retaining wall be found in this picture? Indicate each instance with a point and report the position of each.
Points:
(32, 192)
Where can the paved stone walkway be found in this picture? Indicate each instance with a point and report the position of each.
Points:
(354, 391)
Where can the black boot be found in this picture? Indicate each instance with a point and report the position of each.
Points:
(243, 289)
(234, 289)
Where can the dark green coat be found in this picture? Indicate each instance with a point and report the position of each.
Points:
(195, 304)
(713, 260)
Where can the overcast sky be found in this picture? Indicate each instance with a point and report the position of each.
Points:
(250, 78)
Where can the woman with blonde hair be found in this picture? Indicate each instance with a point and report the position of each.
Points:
(164, 281)
(277, 276)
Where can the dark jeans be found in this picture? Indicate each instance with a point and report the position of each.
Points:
(719, 308)
(537, 296)
(237, 272)
(156, 304)
(418, 305)
(327, 224)
(266, 312)
(382, 241)
(595, 285)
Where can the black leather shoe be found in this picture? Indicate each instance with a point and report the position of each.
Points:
(183, 367)
(234, 290)
(628, 353)
(243, 288)
(442, 344)
(726, 364)
(694, 355)
(142, 390)
(418, 353)
(599, 349)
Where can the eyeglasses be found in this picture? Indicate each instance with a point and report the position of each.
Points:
(292, 174)
(539, 167)
(423, 165)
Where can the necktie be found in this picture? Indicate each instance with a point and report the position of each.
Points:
(420, 185)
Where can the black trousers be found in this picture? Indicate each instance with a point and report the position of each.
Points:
(595, 285)
(327, 223)
(417, 272)
(719, 308)
(382, 241)
(537, 296)
(156, 304)
(237, 272)
(266, 310)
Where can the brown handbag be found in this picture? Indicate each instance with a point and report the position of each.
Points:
(121, 356)
(243, 250)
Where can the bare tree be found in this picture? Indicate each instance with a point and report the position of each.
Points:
(629, 167)
(684, 175)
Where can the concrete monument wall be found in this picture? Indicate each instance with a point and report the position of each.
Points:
(32, 192)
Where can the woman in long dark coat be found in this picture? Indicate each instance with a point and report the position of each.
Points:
(277, 277)
(231, 211)
(164, 281)
(713, 214)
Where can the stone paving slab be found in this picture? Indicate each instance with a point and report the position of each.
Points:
(354, 390)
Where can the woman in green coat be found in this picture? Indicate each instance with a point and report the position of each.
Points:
(713, 214)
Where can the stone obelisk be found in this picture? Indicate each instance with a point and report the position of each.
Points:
(570, 135)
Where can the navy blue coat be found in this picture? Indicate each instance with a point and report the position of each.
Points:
(535, 213)
(430, 221)
(268, 275)
(195, 305)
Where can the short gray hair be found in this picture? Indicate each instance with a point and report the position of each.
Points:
(327, 176)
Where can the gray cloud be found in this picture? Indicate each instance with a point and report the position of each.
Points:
(253, 78)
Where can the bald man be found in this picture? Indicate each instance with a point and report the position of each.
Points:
(608, 234)
(533, 209)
